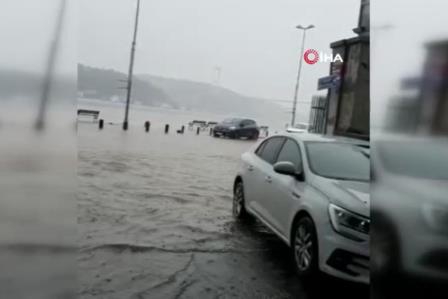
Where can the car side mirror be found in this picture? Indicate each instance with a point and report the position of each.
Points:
(287, 168)
(241, 125)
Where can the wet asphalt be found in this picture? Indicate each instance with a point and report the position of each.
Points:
(155, 221)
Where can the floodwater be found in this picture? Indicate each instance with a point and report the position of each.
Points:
(155, 221)
(37, 212)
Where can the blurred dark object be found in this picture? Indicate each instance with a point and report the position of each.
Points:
(85, 112)
(434, 92)
(422, 107)
(49, 73)
(317, 114)
(364, 18)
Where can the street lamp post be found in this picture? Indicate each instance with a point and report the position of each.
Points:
(294, 107)
(49, 72)
(131, 68)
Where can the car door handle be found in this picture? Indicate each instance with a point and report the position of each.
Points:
(296, 195)
(250, 168)
(268, 179)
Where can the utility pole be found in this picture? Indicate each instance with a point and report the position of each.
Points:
(294, 107)
(131, 69)
(49, 72)
(218, 71)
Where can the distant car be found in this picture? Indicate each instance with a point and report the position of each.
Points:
(313, 192)
(298, 128)
(237, 128)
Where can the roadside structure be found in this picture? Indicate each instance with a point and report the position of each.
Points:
(348, 100)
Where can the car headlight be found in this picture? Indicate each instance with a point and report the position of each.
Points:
(232, 128)
(349, 224)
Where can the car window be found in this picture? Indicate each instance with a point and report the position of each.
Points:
(290, 152)
(271, 149)
(231, 120)
(260, 148)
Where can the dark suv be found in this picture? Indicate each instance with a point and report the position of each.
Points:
(237, 128)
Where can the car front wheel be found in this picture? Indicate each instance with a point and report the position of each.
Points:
(304, 245)
(385, 251)
(239, 209)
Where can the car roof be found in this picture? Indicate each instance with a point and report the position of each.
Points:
(239, 118)
(309, 137)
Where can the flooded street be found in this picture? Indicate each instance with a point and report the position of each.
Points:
(155, 221)
(223, 149)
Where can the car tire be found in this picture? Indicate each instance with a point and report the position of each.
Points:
(305, 248)
(238, 206)
(385, 251)
(255, 135)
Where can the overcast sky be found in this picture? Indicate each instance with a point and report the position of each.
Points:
(26, 30)
(254, 41)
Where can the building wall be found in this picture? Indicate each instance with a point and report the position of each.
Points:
(421, 107)
(349, 102)
(354, 104)
(434, 90)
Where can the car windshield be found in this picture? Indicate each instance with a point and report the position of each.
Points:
(340, 161)
(231, 120)
(419, 159)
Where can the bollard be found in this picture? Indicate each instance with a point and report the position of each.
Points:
(167, 128)
(211, 131)
(101, 124)
(198, 130)
(267, 133)
(181, 131)
(147, 126)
